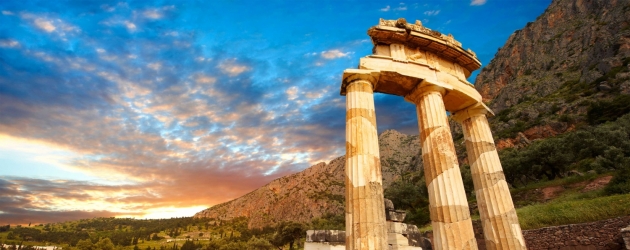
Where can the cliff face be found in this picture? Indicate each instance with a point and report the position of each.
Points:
(318, 190)
(547, 75)
(572, 40)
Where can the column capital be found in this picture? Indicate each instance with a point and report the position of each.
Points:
(351, 75)
(476, 109)
(425, 87)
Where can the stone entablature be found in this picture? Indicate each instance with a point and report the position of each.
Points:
(416, 36)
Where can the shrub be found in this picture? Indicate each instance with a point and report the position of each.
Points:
(603, 111)
(620, 183)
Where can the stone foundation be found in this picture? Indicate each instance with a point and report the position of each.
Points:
(600, 235)
(325, 240)
(400, 236)
(625, 234)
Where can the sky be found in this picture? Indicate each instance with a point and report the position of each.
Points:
(159, 109)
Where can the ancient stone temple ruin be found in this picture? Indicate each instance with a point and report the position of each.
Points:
(400, 236)
(428, 69)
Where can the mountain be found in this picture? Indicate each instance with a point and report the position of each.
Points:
(318, 190)
(549, 75)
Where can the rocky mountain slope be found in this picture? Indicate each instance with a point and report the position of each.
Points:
(318, 190)
(550, 74)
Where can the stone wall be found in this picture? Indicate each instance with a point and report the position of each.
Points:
(604, 235)
(325, 240)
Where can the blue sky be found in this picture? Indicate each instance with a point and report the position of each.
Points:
(154, 109)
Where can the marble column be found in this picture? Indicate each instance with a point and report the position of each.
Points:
(365, 213)
(450, 216)
(498, 216)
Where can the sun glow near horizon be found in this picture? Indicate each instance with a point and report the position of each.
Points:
(167, 212)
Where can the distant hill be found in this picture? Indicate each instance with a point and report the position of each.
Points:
(318, 190)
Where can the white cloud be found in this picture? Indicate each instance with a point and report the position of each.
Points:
(7, 13)
(292, 92)
(9, 44)
(130, 26)
(432, 12)
(232, 68)
(477, 2)
(205, 79)
(155, 66)
(401, 7)
(51, 25)
(335, 53)
(152, 14)
(45, 25)
(386, 8)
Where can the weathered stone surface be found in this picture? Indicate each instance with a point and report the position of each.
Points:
(625, 234)
(498, 215)
(325, 236)
(397, 227)
(395, 215)
(450, 216)
(393, 247)
(389, 205)
(365, 216)
(397, 239)
(323, 246)
(604, 234)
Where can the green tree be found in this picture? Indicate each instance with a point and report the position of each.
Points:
(329, 222)
(258, 244)
(85, 245)
(215, 244)
(410, 194)
(288, 233)
(188, 245)
(104, 244)
(234, 246)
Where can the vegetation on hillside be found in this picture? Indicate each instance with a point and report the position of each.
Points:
(176, 233)
(588, 150)
(600, 149)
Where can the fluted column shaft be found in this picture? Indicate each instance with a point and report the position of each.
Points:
(450, 216)
(500, 223)
(365, 213)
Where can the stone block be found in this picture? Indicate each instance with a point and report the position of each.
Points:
(397, 239)
(625, 234)
(389, 205)
(335, 236)
(416, 239)
(395, 215)
(404, 248)
(397, 227)
(323, 246)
